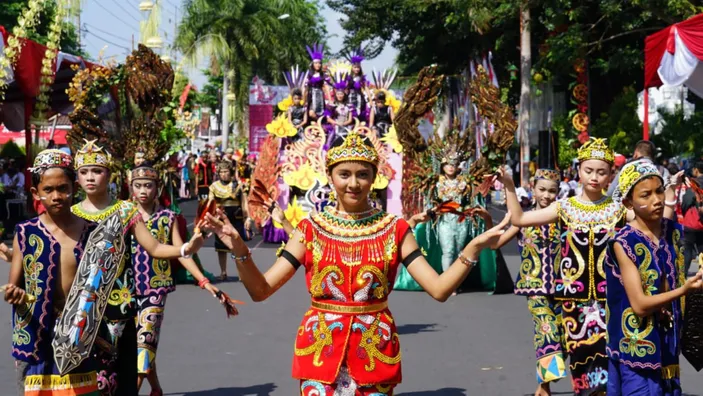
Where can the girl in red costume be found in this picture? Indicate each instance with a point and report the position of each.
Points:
(347, 342)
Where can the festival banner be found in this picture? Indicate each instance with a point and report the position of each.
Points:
(262, 99)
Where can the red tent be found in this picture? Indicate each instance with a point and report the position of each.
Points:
(674, 56)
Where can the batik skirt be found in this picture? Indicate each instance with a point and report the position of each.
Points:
(546, 316)
(150, 316)
(116, 354)
(584, 331)
(624, 380)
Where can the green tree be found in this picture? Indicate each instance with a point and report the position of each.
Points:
(246, 38)
(12, 9)
(209, 95)
(679, 136)
(620, 123)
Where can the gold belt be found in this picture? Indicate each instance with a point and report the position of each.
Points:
(338, 308)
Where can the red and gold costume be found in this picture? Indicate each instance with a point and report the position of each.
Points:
(350, 266)
(347, 342)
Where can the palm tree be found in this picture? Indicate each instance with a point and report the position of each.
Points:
(244, 37)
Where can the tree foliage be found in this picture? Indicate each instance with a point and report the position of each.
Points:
(12, 9)
(247, 38)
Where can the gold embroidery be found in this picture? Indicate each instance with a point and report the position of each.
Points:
(349, 309)
(380, 291)
(323, 338)
(370, 339)
(633, 341)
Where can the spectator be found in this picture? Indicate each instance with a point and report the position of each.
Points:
(692, 220)
(644, 151)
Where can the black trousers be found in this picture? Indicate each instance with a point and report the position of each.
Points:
(692, 245)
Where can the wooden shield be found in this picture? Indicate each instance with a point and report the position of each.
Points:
(87, 299)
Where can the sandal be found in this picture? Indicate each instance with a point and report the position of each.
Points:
(223, 277)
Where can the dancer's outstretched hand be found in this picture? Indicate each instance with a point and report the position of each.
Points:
(694, 282)
(196, 241)
(277, 215)
(490, 237)
(221, 226)
(13, 294)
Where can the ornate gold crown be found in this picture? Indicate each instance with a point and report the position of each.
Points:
(144, 172)
(631, 174)
(547, 174)
(92, 155)
(353, 149)
(596, 149)
(51, 158)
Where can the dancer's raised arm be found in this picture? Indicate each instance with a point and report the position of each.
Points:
(519, 218)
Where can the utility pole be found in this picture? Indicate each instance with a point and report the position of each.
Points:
(175, 33)
(525, 77)
(80, 30)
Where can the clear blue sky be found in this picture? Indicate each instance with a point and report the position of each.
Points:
(114, 24)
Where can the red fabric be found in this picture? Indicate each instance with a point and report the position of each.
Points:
(692, 220)
(6, 136)
(184, 95)
(691, 33)
(371, 351)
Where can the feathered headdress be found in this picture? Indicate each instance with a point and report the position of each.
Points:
(316, 52)
(339, 79)
(356, 56)
(294, 78)
(383, 79)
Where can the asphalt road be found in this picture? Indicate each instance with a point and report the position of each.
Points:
(474, 344)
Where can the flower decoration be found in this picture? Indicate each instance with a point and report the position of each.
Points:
(285, 103)
(47, 70)
(304, 177)
(391, 139)
(294, 213)
(281, 127)
(25, 24)
(392, 101)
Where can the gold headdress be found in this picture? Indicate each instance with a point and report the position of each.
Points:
(92, 155)
(51, 158)
(353, 149)
(631, 174)
(145, 173)
(596, 149)
(547, 174)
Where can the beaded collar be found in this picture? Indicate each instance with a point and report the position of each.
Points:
(96, 216)
(350, 215)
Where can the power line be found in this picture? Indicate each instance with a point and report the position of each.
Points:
(111, 13)
(105, 32)
(108, 41)
(125, 10)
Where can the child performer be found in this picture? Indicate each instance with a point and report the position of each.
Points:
(228, 193)
(585, 223)
(117, 371)
(356, 85)
(47, 250)
(646, 284)
(315, 84)
(153, 279)
(540, 249)
(348, 342)
(381, 117)
(297, 113)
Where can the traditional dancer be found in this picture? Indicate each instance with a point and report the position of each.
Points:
(646, 282)
(356, 85)
(41, 278)
(381, 115)
(205, 171)
(586, 223)
(117, 374)
(347, 342)
(152, 276)
(340, 114)
(316, 84)
(228, 193)
(298, 111)
(540, 249)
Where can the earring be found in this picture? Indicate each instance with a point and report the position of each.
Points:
(332, 198)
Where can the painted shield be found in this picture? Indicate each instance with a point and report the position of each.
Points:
(86, 302)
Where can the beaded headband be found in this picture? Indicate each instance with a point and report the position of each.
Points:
(144, 172)
(547, 174)
(51, 158)
(92, 155)
(631, 174)
(596, 149)
(353, 149)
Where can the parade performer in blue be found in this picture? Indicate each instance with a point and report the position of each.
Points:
(646, 283)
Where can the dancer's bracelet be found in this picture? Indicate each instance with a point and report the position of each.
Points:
(183, 250)
(203, 282)
(670, 203)
(241, 259)
(467, 261)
